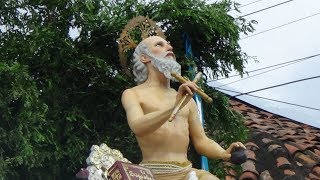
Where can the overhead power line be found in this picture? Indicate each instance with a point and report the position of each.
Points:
(266, 8)
(298, 105)
(281, 25)
(287, 62)
(256, 75)
(291, 82)
(249, 3)
(246, 5)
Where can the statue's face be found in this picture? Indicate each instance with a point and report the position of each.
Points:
(159, 46)
(159, 53)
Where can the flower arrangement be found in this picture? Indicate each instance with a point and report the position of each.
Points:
(100, 160)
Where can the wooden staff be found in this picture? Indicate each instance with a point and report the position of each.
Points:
(183, 80)
(204, 96)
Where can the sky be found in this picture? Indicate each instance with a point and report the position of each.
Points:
(296, 40)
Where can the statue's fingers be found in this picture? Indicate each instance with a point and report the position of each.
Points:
(241, 145)
(188, 90)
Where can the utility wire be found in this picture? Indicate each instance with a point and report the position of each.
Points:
(266, 8)
(307, 107)
(256, 74)
(291, 82)
(300, 60)
(281, 25)
(292, 61)
(249, 3)
(246, 5)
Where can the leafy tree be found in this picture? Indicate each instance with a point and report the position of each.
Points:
(60, 93)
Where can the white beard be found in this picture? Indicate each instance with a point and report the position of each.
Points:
(166, 65)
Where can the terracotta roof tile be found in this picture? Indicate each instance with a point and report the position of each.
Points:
(299, 164)
(282, 161)
(248, 176)
(266, 140)
(265, 175)
(251, 145)
(317, 151)
(304, 158)
(278, 148)
(249, 166)
(273, 147)
(289, 172)
(250, 155)
(288, 138)
(313, 155)
(316, 170)
(292, 149)
(313, 177)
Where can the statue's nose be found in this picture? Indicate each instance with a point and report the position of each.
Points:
(169, 47)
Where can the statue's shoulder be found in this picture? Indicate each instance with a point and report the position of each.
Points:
(132, 92)
(138, 89)
(129, 91)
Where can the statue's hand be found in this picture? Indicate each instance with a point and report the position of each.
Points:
(186, 88)
(236, 153)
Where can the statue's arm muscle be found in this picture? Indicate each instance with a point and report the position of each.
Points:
(142, 124)
(201, 142)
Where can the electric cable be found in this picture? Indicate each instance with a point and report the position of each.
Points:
(267, 67)
(270, 87)
(248, 77)
(241, 6)
(249, 3)
(281, 25)
(298, 105)
(266, 8)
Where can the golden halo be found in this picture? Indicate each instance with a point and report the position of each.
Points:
(126, 41)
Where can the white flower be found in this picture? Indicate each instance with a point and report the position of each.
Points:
(105, 175)
(94, 148)
(126, 160)
(92, 169)
(107, 161)
(102, 157)
(91, 160)
(116, 153)
(95, 173)
(88, 161)
(104, 147)
(94, 158)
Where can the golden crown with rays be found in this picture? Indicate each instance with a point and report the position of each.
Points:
(127, 41)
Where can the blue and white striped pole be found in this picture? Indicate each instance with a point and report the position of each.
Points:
(197, 98)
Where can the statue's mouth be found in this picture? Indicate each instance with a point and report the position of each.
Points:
(171, 54)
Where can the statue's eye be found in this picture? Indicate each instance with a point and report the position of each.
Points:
(159, 44)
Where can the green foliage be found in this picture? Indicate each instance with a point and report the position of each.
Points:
(23, 124)
(60, 94)
(224, 125)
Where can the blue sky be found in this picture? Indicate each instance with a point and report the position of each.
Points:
(290, 42)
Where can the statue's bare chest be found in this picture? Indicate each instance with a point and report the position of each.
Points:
(152, 100)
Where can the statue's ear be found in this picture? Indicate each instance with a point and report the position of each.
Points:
(145, 59)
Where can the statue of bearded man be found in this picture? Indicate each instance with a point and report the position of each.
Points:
(148, 107)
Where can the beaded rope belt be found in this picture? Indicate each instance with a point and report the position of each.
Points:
(167, 167)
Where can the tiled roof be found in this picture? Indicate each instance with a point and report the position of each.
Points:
(278, 148)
